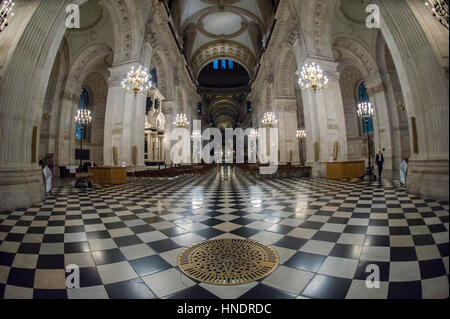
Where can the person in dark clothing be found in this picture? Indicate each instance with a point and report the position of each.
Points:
(379, 160)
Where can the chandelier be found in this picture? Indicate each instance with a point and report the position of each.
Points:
(6, 9)
(181, 121)
(83, 117)
(254, 134)
(312, 78)
(440, 11)
(196, 135)
(365, 110)
(137, 81)
(269, 119)
(301, 134)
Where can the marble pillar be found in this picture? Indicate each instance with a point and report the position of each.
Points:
(124, 121)
(286, 112)
(325, 120)
(25, 72)
(425, 88)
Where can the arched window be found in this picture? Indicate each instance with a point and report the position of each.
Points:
(224, 64)
(83, 104)
(154, 77)
(363, 97)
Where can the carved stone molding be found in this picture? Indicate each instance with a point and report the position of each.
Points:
(223, 49)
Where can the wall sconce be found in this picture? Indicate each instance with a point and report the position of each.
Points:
(47, 116)
(401, 107)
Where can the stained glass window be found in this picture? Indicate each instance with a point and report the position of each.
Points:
(216, 64)
(364, 98)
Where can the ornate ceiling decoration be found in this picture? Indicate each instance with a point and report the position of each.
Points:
(221, 1)
(223, 49)
(222, 24)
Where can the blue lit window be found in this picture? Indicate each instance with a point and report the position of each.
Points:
(364, 97)
(216, 64)
(223, 64)
(230, 64)
(83, 104)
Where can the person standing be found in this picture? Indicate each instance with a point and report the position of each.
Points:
(403, 171)
(47, 178)
(379, 160)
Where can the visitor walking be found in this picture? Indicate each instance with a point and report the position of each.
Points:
(379, 160)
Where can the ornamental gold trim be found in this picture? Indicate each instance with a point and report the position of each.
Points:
(223, 49)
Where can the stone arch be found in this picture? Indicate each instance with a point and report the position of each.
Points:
(285, 72)
(351, 78)
(351, 49)
(316, 18)
(125, 33)
(165, 82)
(97, 87)
(93, 58)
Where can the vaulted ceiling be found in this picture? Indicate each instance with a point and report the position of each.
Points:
(210, 30)
(202, 23)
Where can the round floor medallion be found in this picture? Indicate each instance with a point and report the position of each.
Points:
(228, 262)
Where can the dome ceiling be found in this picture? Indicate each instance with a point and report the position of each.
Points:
(202, 22)
(223, 31)
(354, 10)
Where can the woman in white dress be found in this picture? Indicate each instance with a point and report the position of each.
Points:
(403, 171)
(47, 178)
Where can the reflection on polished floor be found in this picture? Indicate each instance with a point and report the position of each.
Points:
(126, 238)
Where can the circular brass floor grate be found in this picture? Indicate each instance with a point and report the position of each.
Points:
(228, 262)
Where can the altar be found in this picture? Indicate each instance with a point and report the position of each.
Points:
(109, 175)
(343, 170)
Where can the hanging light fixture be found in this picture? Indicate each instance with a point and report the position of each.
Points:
(137, 81)
(83, 117)
(312, 78)
(440, 10)
(254, 134)
(365, 110)
(181, 121)
(196, 135)
(269, 119)
(6, 10)
(301, 134)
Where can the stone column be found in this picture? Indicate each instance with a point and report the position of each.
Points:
(286, 111)
(426, 94)
(25, 71)
(325, 120)
(124, 121)
(161, 149)
(169, 113)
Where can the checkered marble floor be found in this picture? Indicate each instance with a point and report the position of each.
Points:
(126, 239)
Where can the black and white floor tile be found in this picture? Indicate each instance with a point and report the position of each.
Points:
(126, 239)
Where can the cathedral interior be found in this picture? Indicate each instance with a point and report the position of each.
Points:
(351, 97)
